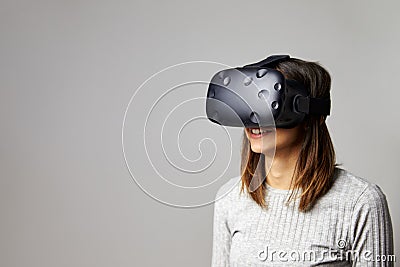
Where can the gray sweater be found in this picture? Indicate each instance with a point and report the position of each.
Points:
(348, 226)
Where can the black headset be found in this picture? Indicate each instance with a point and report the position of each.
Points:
(257, 95)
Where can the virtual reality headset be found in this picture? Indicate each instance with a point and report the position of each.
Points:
(257, 95)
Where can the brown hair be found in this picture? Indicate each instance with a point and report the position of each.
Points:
(315, 165)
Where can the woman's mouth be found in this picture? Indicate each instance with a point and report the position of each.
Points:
(258, 132)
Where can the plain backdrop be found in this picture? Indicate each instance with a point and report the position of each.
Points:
(69, 69)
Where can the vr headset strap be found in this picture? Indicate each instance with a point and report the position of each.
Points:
(268, 61)
(313, 106)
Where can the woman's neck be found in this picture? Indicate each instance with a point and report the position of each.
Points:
(281, 167)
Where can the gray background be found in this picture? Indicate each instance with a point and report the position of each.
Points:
(69, 68)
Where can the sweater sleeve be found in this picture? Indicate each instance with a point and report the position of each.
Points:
(371, 229)
(221, 232)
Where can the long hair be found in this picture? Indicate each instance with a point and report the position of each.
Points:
(315, 166)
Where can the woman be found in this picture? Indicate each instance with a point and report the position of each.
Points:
(306, 211)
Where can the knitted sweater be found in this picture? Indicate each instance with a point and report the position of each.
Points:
(349, 226)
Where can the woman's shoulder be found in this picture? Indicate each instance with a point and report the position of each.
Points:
(355, 189)
(345, 179)
(229, 189)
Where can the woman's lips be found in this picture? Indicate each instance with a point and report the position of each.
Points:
(257, 132)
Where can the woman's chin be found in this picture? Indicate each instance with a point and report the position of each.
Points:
(256, 149)
(264, 148)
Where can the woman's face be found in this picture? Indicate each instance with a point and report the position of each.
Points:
(262, 140)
